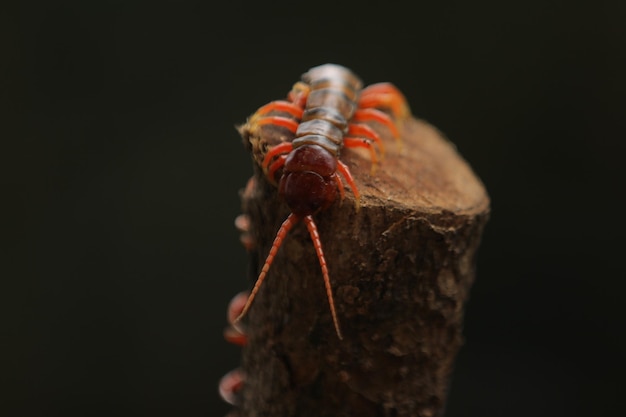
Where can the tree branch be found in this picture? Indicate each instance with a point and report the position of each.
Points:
(401, 267)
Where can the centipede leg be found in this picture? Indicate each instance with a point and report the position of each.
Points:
(235, 333)
(290, 124)
(342, 191)
(385, 95)
(375, 115)
(279, 106)
(283, 148)
(230, 385)
(276, 165)
(280, 151)
(347, 176)
(352, 142)
(299, 94)
(242, 222)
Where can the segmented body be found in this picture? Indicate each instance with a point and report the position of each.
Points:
(327, 108)
(331, 103)
(327, 111)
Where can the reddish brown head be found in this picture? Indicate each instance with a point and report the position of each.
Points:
(308, 182)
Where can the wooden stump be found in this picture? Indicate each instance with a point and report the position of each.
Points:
(401, 267)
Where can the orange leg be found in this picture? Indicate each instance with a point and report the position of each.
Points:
(352, 142)
(358, 129)
(231, 335)
(232, 382)
(315, 237)
(385, 95)
(230, 385)
(290, 124)
(234, 333)
(242, 223)
(276, 165)
(284, 147)
(342, 191)
(347, 176)
(279, 105)
(371, 114)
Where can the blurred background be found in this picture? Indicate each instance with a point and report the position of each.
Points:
(122, 167)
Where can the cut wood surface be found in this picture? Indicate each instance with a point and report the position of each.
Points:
(401, 267)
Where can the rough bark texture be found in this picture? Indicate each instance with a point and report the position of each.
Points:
(401, 267)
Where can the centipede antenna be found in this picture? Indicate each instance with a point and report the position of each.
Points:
(310, 224)
(278, 240)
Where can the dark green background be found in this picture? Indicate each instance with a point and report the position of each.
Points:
(121, 170)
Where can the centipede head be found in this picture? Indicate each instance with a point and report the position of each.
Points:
(308, 182)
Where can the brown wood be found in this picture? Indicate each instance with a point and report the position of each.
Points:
(401, 267)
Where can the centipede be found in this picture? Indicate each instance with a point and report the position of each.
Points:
(326, 112)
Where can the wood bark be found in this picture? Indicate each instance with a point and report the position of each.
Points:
(401, 267)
